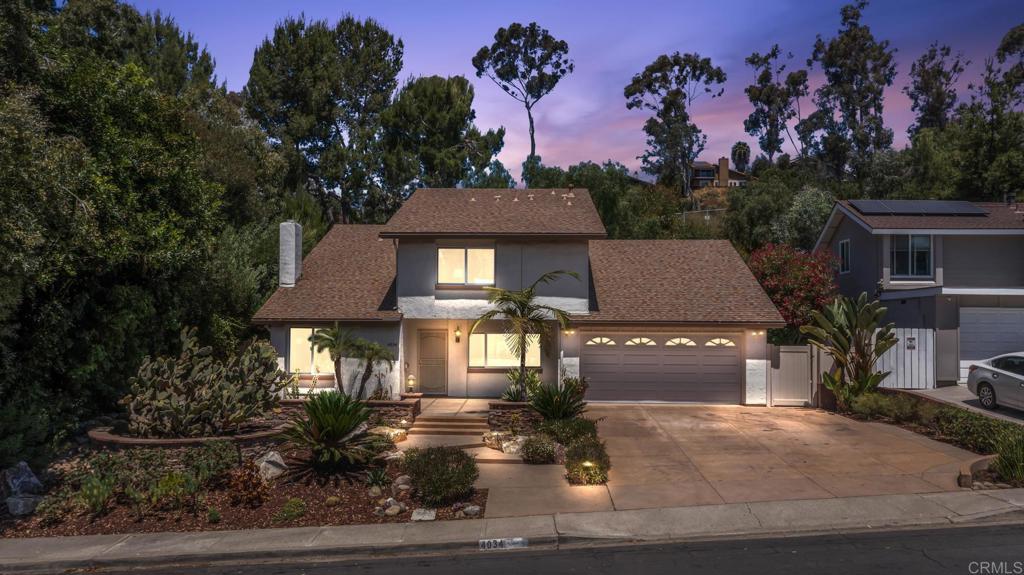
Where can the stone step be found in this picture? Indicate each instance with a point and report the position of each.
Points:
(445, 431)
(453, 424)
(450, 419)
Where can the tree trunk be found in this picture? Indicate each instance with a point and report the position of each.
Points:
(522, 370)
(533, 142)
(366, 377)
(337, 376)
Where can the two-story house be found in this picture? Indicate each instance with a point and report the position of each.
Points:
(651, 320)
(952, 268)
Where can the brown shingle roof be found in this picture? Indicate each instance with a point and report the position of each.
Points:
(1000, 216)
(454, 212)
(680, 281)
(347, 276)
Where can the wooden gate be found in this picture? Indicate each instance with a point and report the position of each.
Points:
(790, 380)
(911, 361)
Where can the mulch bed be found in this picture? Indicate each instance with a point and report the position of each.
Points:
(356, 506)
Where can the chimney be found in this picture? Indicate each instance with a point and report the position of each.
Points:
(723, 172)
(290, 255)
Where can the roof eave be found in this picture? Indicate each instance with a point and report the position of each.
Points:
(504, 235)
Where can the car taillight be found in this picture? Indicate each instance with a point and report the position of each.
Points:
(972, 368)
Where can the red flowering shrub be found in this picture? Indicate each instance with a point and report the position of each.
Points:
(796, 281)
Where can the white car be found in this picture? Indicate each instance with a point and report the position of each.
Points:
(998, 381)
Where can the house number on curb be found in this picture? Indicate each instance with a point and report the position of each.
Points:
(503, 543)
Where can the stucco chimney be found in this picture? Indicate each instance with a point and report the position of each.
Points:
(723, 172)
(290, 255)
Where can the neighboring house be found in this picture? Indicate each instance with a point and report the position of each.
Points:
(651, 320)
(706, 174)
(954, 270)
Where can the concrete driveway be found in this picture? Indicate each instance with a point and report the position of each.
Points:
(682, 455)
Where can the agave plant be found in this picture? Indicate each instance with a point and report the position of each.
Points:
(850, 331)
(333, 428)
(558, 401)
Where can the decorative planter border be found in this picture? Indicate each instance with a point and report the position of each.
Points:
(102, 436)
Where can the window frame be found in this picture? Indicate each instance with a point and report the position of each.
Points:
(502, 368)
(465, 268)
(911, 275)
(845, 263)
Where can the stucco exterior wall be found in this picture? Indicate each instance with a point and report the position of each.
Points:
(865, 259)
(984, 261)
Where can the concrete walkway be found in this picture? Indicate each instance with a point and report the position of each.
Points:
(453, 407)
(47, 555)
(960, 396)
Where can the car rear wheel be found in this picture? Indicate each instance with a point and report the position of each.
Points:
(987, 396)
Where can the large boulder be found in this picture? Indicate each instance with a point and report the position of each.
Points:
(494, 439)
(19, 480)
(19, 505)
(271, 466)
(513, 445)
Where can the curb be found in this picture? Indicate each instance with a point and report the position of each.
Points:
(967, 469)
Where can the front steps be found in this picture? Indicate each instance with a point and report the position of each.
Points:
(447, 425)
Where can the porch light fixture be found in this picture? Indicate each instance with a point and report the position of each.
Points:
(569, 332)
(458, 334)
(410, 383)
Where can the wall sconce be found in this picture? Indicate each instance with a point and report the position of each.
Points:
(458, 334)
(410, 383)
(569, 332)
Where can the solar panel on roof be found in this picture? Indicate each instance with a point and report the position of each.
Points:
(917, 208)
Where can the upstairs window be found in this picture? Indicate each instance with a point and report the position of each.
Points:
(465, 266)
(911, 256)
(844, 256)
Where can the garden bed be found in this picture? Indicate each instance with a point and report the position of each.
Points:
(354, 506)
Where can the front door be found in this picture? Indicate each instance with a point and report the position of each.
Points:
(433, 361)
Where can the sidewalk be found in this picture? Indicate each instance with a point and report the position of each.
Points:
(678, 523)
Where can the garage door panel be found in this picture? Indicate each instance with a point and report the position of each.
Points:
(989, 331)
(696, 373)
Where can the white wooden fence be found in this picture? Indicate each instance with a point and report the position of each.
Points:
(911, 360)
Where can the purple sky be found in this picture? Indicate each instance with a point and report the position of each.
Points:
(585, 117)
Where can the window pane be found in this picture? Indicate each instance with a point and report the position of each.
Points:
(451, 266)
(299, 354)
(481, 266)
(323, 362)
(477, 348)
(922, 248)
(900, 255)
(533, 351)
(498, 353)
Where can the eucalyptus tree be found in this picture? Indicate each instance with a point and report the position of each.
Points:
(776, 101)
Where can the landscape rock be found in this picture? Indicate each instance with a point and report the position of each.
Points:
(471, 510)
(396, 434)
(375, 491)
(494, 439)
(271, 465)
(394, 455)
(332, 501)
(514, 445)
(392, 511)
(19, 505)
(424, 514)
(403, 480)
(19, 480)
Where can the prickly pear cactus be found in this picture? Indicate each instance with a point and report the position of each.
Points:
(197, 395)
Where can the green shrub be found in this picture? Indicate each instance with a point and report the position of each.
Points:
(514, 391)
(927, 411)
(973, 431)
(1009, 464)
(211, 462)
(587, 462)
(333, 429)
(291, 510)
(567, 431)
(538, 449)
(196, 395)
(95, 493)
(558, 402)
(176, 490)
(377, 478)
(441, 475)
(869, 405)
(901, 408)
(213, 515)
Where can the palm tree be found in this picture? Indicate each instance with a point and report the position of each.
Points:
(371, 353)
(524, 317)
(338, 342)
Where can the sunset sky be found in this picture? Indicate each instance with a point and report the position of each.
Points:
(585, 117)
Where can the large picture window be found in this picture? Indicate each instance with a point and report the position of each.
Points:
(492, 350)
(465, 266)
(911, 256)
(302, 358)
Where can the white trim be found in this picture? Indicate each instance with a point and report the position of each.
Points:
(909, 293)
(912, 279)
(983, 291)
(947, 232)
(429, 307)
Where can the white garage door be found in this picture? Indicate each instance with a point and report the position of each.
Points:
(662, 367)
(989, 331)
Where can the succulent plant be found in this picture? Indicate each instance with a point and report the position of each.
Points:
(196, 394)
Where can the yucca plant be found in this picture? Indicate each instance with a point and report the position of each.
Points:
(558, 402)
(850, 331)
(333, 428)
(524, 317)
